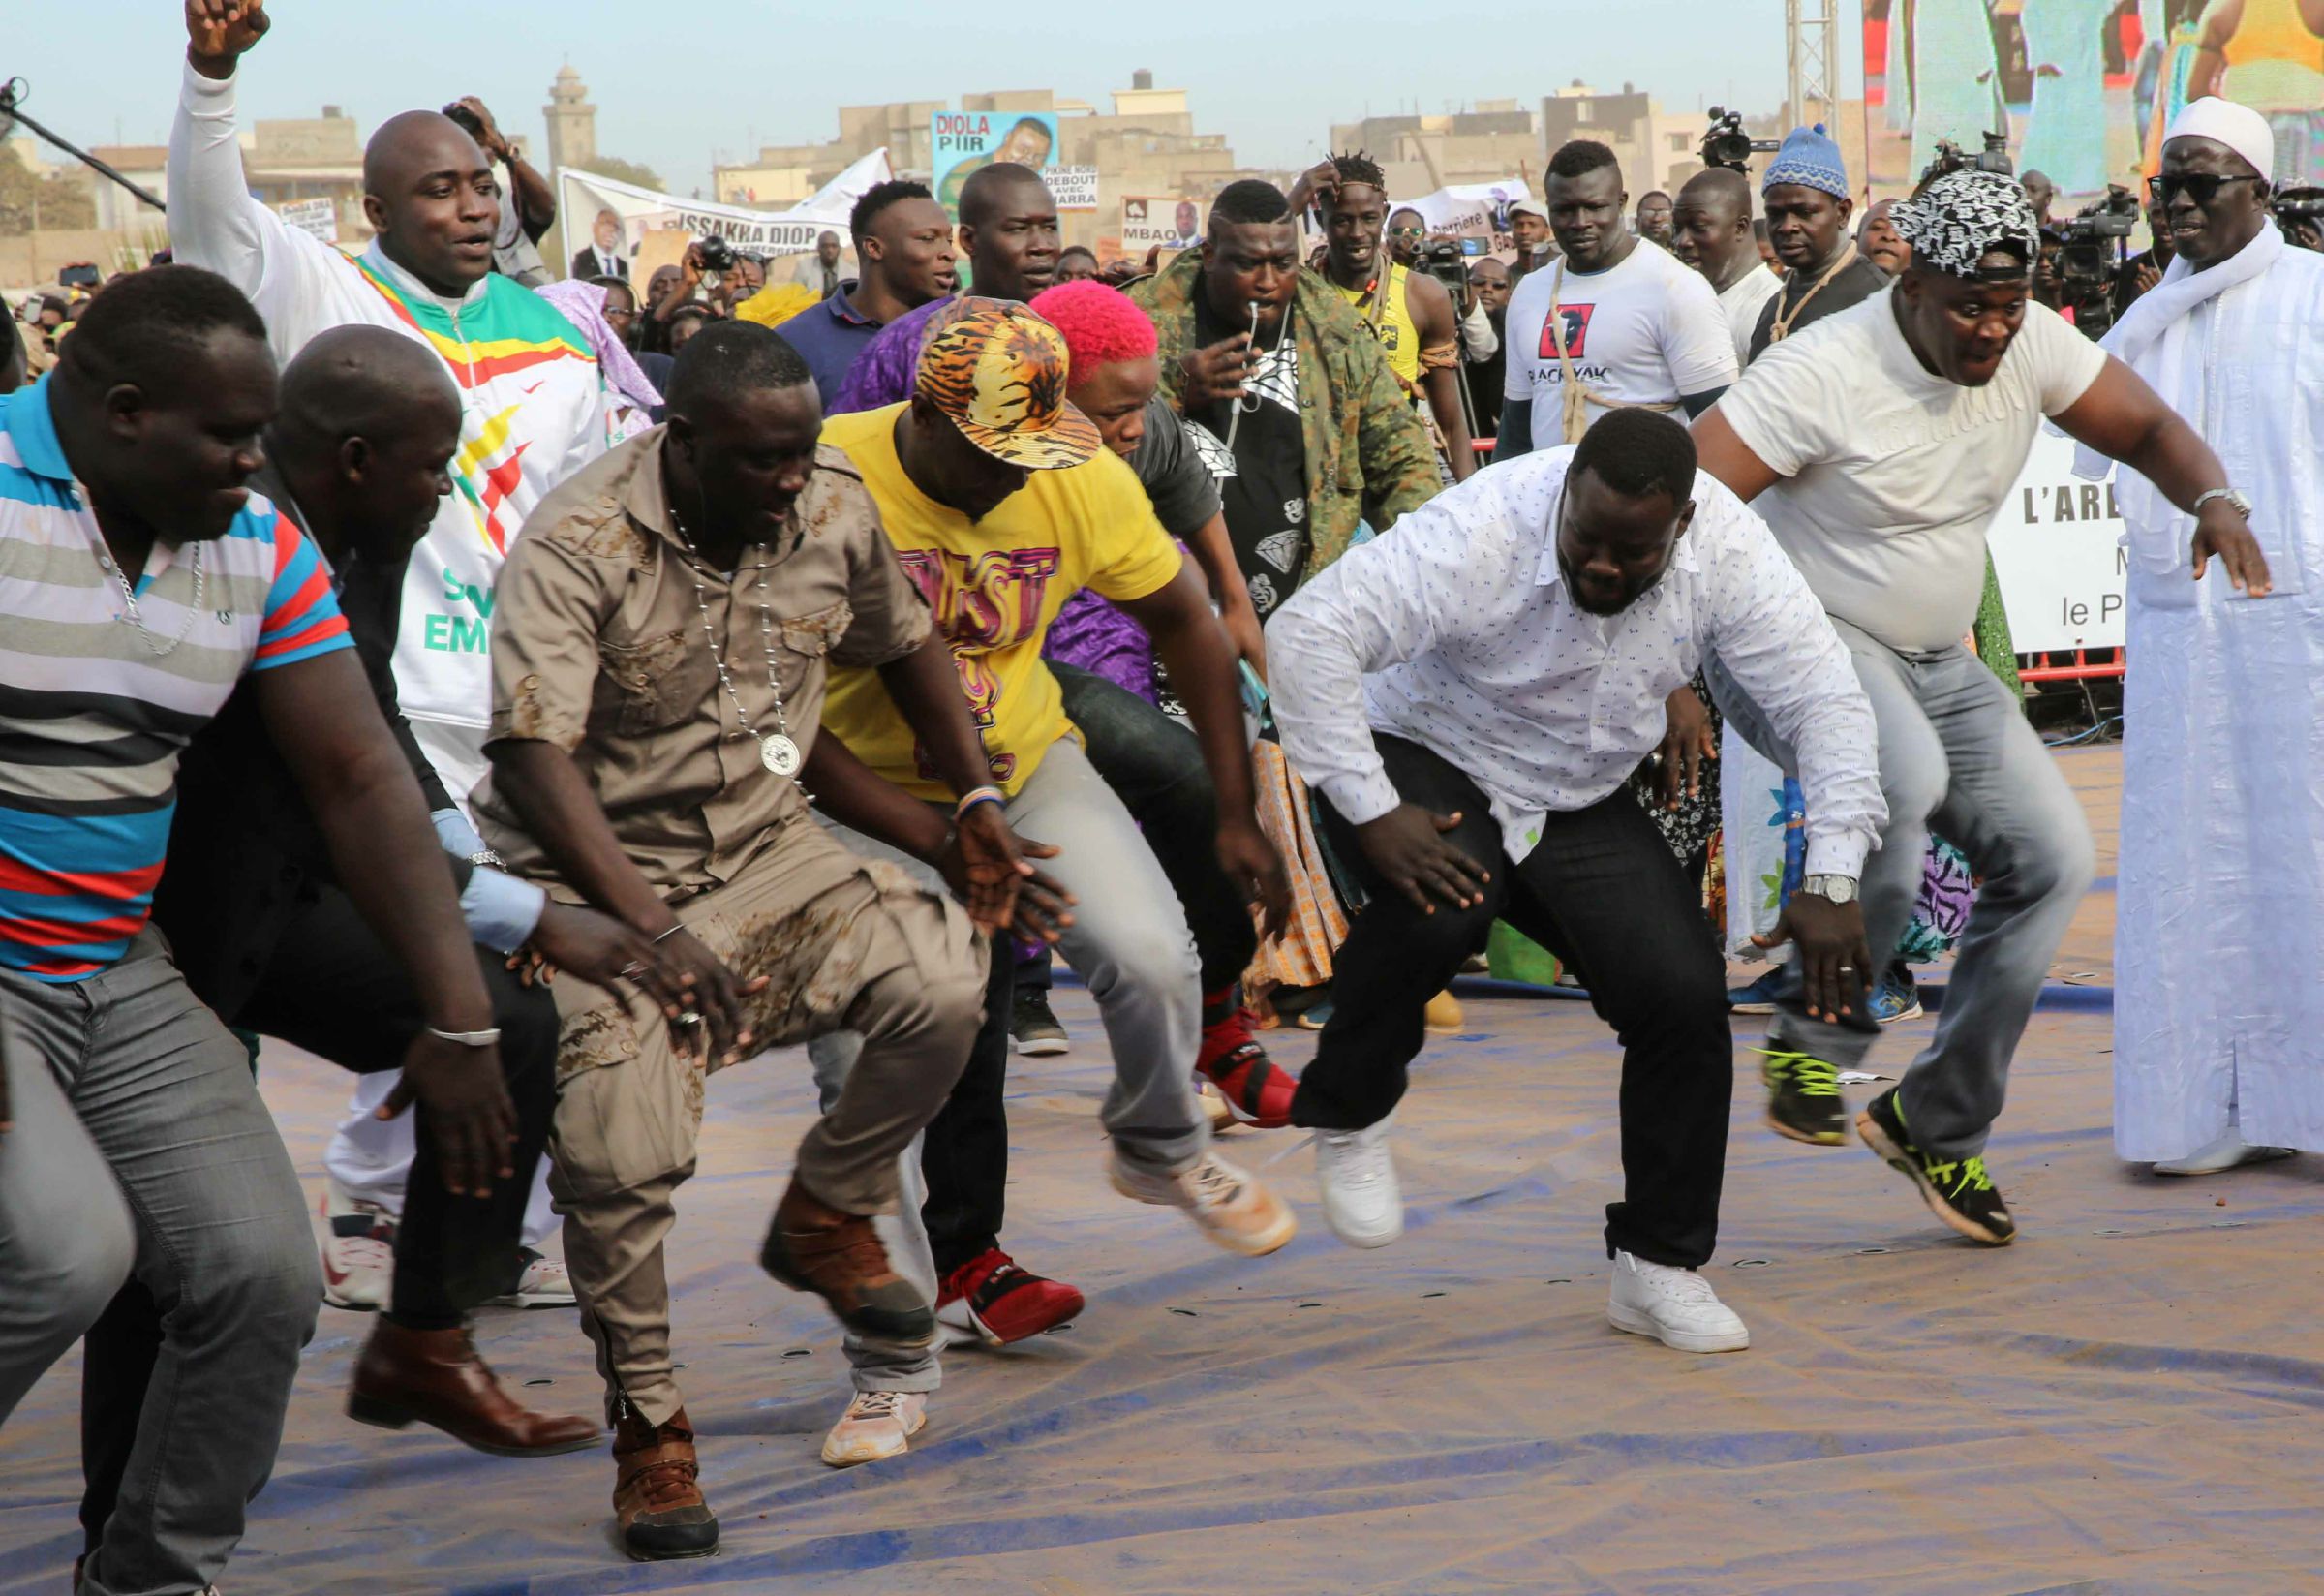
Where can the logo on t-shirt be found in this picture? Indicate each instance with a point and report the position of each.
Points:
(1576, 332)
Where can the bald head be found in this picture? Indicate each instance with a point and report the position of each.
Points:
(431, 195)
(369, 419)
(1721, 190)
(1711, 226)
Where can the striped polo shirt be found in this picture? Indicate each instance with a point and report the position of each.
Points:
(92, 718)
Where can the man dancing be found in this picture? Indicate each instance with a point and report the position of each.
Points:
(1470, 696)
(1879, 443)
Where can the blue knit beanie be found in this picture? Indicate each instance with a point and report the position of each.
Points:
(1811, 159)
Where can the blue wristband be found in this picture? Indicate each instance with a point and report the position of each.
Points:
(982, 795)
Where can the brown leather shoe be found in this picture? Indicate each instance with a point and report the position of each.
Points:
(656, 1502)
(435, 1376)
(813, 1247)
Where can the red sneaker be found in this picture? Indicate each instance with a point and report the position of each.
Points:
(1257, 1091)
(989, 1298)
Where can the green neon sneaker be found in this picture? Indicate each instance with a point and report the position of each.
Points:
(1803, 1096)
(1958, 1191)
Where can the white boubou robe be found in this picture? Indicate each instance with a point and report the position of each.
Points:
(2219, 931)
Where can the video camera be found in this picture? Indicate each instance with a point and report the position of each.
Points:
(2299, 213)
(1442, 259)
(1994, 157)
(1727, 145)
(2087, 252)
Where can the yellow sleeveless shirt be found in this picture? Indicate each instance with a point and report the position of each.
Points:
(1390, 318)
(2274, 62)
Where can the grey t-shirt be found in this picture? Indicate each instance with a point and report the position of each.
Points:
(1172, 472)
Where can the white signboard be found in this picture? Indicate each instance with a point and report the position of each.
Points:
(2057, 548)
(320, 217)
(1074, 187)
(1149, 220)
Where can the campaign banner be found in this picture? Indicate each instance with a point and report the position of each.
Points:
(2057, 549)
(620, 216)
(318, 217)
(963, 142)
(1073, 188)
(1163, 219)
(1469, 211)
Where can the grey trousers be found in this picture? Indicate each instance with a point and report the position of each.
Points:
(138, 1129)
(1959, 757)
(1130, 946)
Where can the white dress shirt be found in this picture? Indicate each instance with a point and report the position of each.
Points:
(1454, 631)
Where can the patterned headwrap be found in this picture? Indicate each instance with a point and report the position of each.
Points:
(1964, 216)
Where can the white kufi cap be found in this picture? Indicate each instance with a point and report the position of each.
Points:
(2240, 128)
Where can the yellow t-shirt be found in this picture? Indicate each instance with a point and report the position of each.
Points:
(995, 586)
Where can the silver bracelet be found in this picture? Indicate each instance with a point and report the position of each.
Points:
(667, 935)
(467, 1039)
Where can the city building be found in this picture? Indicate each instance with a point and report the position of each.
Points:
(1493, 141)
(1659, 149)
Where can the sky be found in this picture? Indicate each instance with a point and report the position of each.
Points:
(678, 86)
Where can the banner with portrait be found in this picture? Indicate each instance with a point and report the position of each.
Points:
(963, 142)
(1149, 220)
(623, 217)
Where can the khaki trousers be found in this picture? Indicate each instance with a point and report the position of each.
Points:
(846, 943)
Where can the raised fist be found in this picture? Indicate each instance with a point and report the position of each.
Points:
(218, 32)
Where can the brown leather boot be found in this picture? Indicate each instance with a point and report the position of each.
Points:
(435, 1376)
(813, 1247)
(656, 1502)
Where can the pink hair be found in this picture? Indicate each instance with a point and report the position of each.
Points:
(1100, 324)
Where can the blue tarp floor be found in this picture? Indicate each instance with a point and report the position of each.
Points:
(2125, 1401)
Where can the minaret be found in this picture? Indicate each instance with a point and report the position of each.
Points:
(572, 121)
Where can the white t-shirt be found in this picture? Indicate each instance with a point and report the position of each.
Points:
(1741, 301)
(1647, 333)
(1892, 476)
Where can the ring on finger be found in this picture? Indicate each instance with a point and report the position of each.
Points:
(689, 1018)
(631, 971)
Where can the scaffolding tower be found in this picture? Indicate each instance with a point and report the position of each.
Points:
(1812, 47)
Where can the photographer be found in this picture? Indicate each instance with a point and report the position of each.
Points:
(705, 283)
(2084, 259)
(531, 209)
(1488, 286)
(2144, 270)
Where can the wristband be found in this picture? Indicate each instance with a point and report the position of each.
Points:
(981, 795)
(467, 1039)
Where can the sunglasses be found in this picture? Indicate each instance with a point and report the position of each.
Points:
(1408, 232)
(2202, 187)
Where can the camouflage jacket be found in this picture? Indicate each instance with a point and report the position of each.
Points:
(1368, 456)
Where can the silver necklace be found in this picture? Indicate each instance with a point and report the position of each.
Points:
(129, 597)
(777, 750)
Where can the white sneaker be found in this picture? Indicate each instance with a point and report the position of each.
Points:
(358, 1250)
(1362, 1203)
(877, 1424)
(2222, 1152)
(1676, 1306)
(542, 1283)
(1232, 1207)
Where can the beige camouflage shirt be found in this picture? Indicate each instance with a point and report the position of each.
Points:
(598, 646)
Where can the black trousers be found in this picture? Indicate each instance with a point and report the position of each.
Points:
(332, 988)
(1602, 891)
(1155, 767)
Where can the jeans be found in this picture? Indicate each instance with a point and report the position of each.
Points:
(163, 1131)
(1600, 890)
(332, 988)
(1130, 945)
(1959, 757)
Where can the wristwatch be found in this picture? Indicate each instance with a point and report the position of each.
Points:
(1838, 889)
(2236, 501)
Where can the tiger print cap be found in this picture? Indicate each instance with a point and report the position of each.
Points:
(998, 373)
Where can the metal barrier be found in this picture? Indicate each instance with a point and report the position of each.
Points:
(2082, 668)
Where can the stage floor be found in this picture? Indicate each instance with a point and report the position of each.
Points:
(2116, 1403)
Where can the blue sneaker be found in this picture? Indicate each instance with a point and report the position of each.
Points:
(1760, 996)
(1897, 997)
